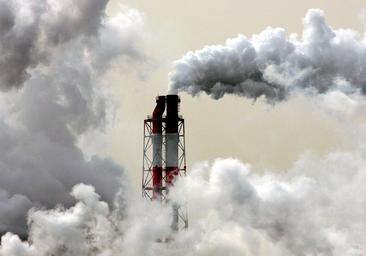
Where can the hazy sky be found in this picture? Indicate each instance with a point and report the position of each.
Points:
(72, 65)
(263, 135)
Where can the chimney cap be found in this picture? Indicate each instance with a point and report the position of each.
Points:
(173, 97)
(160, 98)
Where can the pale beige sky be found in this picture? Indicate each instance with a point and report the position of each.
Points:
(267, 137)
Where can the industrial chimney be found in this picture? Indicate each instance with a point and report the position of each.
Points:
(164, 155)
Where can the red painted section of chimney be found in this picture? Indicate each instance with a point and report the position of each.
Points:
(157, 140)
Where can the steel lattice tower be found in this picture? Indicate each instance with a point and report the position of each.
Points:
(164, 157)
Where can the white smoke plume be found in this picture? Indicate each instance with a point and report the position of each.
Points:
(313, 209)
(275, 65)
(316, 208)
(57, 53)
(90, 227)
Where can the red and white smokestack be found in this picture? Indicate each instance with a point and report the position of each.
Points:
(157, 142)
(172, 147)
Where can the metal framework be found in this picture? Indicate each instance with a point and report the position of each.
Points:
(147, 166)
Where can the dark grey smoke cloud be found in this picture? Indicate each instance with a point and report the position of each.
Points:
(57, 54)
(31, 30)
(274, 65)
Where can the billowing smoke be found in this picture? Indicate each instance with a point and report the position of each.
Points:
(275, 65)
(30, 32)
(57, 54)
(90, 227)
(316, 208)
(309, 210)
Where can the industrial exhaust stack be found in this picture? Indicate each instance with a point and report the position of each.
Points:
(164, 155)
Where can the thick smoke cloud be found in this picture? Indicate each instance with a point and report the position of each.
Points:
(31, 30)
(316, 208)
(310, 210)
(90, 227)
(57, 53)
(274, 65)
